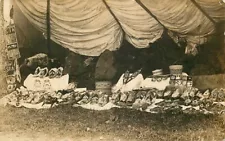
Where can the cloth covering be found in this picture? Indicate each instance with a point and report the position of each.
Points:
(147, 83)
(40, 84)
(87, 27)
(131, 85)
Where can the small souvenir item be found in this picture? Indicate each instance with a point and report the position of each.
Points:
(157, 72)
(201, 105)
(53, 73)
(221, 95)
(167, 93)
(23, 91)
(43, 72)
(38, 98)
(72, 86)
(28, 98)
(195, 103)
(185, 94)
(189, 81)
(159, 94)
(150, 94)
(184, 80)
(103, 100)
(192, 92)
(206, 94)
(153, 79)
(139, 94)
(94, 99)
(50, 100)
(126, 76)
(214, 94)
(84, 100)
(131, 97)
(176, 69)
(199, 94)
(47, 85)
(187, 101)
(144, 104)
(154, 93)
(11, 88)
(37, 84)
(123, 97)
(10, 67)
(156, 78)
(11, 79)
(172, 79)
(178, 80)
(137, 104)
(37, 71)
(207, 103)
(148, 97)
(59, 72)
(77, 97)
(115, 97)
(176, 94)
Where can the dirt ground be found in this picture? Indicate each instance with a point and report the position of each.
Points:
(77, 124)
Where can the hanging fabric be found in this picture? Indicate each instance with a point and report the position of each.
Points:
(88, 28)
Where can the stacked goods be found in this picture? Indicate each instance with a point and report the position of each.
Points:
(157, 72)
(180, 99)
(172, 98)
(13, 54)
(176, 69)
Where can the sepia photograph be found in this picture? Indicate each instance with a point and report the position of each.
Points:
(112, 70)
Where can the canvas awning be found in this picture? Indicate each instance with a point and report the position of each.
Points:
(89, 27)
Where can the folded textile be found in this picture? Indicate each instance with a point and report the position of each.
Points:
(39, 84)
(129, 86)
(160, 85)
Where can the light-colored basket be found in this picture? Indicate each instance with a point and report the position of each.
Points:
(104, 86)
(176, 69)
(157, 72)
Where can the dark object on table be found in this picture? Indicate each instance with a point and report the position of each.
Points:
(115, 97)
(50, 100)
(131, 98)
(64, 91)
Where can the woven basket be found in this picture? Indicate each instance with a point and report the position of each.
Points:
(176, 69)
(104, 86)
(157, 72)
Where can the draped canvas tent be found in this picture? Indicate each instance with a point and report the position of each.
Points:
(89, 27)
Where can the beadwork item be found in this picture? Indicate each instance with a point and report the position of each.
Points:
(53, 73)
(11, 79)
(11, 43)
(59, 72)
(47, 85)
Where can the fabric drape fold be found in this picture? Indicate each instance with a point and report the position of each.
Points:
(87, 27)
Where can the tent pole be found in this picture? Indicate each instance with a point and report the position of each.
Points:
(107, 6)
(48, 28)
(149, 12)
(3, 60)
(204, 13)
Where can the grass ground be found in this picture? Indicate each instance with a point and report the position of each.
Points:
(78, 124)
